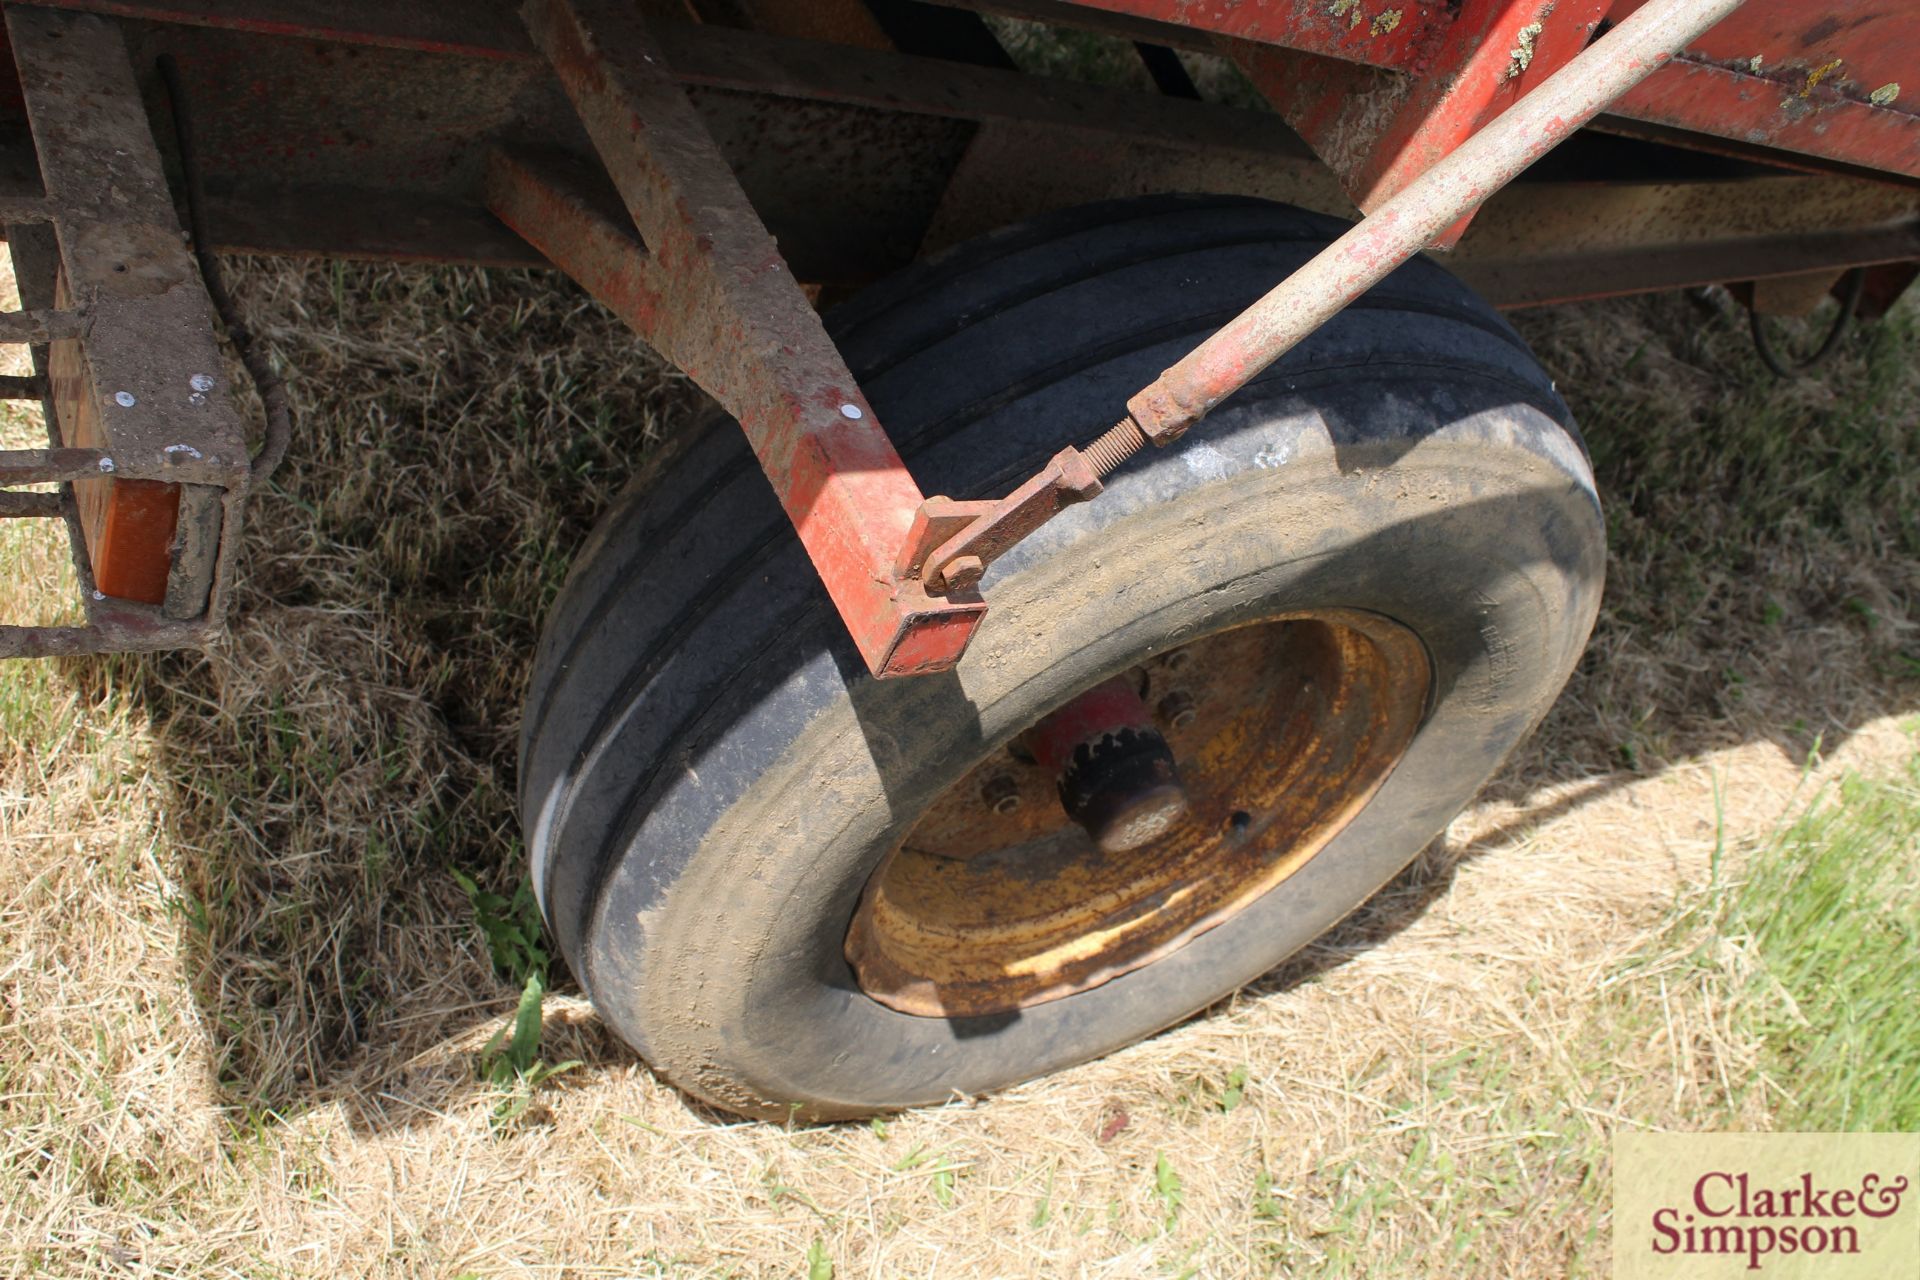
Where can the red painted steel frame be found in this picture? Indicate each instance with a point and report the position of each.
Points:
(1379, 131)
(1818, 77)
(1407, 223)
(711, 292)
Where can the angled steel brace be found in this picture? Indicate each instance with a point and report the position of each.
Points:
(706, 286)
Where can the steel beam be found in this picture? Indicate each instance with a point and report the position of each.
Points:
(845, 153)
(1380, 131)
(1808, 77)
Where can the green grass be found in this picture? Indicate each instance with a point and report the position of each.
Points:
(1798, 967)
(1831, 915)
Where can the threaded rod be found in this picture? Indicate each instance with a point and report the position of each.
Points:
(1116, 444)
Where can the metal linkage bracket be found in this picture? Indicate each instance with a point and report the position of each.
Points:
(143, 438)
(953, 542)
(706, 286)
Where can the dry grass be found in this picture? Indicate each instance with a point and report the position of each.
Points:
(242, 997)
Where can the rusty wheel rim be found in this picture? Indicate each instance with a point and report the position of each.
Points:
(995, 901)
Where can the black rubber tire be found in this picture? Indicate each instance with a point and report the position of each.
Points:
(709, 775)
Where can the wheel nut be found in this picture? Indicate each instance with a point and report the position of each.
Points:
(1001, 793)
(1177, 710)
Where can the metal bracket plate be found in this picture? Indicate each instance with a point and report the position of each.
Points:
(143, 436)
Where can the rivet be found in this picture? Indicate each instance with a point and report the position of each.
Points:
(124, 399)
(106, 464)
(201, 382)
(851, 411)
(196, 398)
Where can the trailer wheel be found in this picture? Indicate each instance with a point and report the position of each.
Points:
(1346, 595)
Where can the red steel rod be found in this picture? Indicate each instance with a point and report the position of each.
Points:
(1413, 219)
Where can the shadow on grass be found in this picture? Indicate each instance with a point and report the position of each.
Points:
(325, 771)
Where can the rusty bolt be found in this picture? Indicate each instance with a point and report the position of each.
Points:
(1001, 793)
(1177, 659)
(1177, 710)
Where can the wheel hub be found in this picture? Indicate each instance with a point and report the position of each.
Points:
(1105, 836)
(1113, 768)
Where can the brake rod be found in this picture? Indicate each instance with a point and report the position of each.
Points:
(953, 542)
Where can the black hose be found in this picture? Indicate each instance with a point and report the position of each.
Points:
(1853, 284)
(273, 391)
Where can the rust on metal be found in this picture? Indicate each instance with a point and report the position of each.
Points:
(848, 189)
(991, 528)
(471, 28)
(1819, 79)
(1543, 242)
(39, 326)
(31, 505)
(1419, 212)
(985, 910)
(1380, 33)
(856, 155)
(707, 286)
(952, 542)
(1768, 78)
(52, 466)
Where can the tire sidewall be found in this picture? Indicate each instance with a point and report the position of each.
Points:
(716, 942)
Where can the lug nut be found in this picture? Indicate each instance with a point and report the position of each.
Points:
(1177, 659)
(1177, 710)
(1001, 793)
